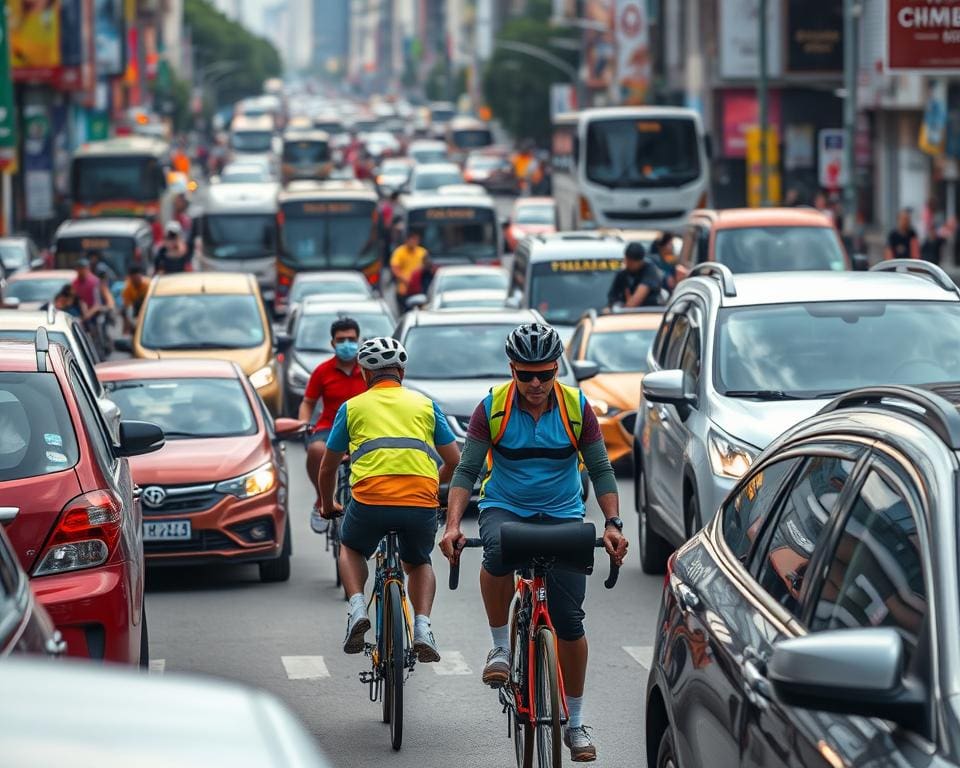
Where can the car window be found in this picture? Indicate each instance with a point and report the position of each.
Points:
(745, 511)
(93, 424)
(875, 578)
(86, 356)
(678, 335)
(803, 515)
(690, 356)
(703, 244)
(9, 573)
(687, 254)
(576, 341)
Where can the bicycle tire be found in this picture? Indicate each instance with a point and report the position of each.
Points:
(548, 734)
(385, 689)
(522, 731)
(395, 661)
(335, 542)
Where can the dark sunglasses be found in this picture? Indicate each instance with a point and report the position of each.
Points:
(527, 376)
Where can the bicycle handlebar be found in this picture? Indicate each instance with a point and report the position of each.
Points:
(609, 583)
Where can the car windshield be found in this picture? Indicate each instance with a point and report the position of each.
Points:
(458, 302)
(492, 281)
(395, 169)
(484, 162)
(202, 321)
(637, 154)
(188, 407)
(13, 254)
(780, 249)
(621, 351)
(250, 176)
(305, 152)
(436, 352)
(313, 330)
(252, 141)
(425, 182)
(536, 214)
(424, 156)
(480, 137)
(792, 350)
(34, 290)
(319, 287)
(562, 291)
(36, 434)
(314, 240)
(98, 179)
(117, 252)
(239, 235)
(467, 234)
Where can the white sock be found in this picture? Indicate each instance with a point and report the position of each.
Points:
(421, 624)
(357, 604)
(501, 636)
(575, 709)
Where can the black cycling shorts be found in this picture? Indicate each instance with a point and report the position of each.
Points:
(565, 590)
(364, 525)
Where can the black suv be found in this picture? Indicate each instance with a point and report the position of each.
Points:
(814, 621)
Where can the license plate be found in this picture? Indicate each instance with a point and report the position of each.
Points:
(167, 530)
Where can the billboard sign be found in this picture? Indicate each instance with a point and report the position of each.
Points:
(814, 36)
(108, 26)
(922, 36)
(600, 53)
(35, 40)
(740, 39)
(633, 51)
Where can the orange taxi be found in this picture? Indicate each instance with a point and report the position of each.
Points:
(617, 344)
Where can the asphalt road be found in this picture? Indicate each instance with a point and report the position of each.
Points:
(286, 638)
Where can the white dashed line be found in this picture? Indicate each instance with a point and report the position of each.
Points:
(642, 654)
(157, 666)
(305, 667)
(451, 663)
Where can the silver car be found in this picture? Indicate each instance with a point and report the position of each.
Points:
(738, 360)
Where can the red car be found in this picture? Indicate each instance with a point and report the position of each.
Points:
(217, 491)
(75, 520)
(531, 216)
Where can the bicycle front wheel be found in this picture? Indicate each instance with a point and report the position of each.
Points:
(547, 692)
(394, 667)
(522, 730)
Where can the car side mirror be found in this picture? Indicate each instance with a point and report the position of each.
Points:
(859, 672)
(37, 264)
(584, 369)
(670, 388)
(860, 262)
(138, 438)
(283, 342)
(416, 301)
(289, 429)
(123, 344)
(11, 302)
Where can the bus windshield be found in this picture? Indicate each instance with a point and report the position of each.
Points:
(462, 234)
(239, 236)
(329, 235)
(562, 291)
(252, 141)
(306, 151)
(642, 153)
(96, 179)
(473, 138)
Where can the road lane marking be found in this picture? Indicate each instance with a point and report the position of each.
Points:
(305, 667)
(157, 666)
(642, 654)
(451, 663)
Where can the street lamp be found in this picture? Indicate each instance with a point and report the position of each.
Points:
(525, 49)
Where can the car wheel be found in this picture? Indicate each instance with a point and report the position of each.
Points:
(654, 549)
(667, 753)
(144, 640)
(275, 570)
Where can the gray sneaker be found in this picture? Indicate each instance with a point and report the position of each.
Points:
(496, 671)
(425, 646)
(317, 523)
(357, 625)
(582, 749)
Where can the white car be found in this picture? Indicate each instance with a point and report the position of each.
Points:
(473, 299)
(427, 151)
(469, 278)
(431, 176)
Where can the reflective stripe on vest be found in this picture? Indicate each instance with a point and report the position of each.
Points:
(391, 433)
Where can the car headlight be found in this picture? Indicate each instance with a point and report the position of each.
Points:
(728, 457)
(299, 375)
(262, 378)
(603, 408)
(261, 480)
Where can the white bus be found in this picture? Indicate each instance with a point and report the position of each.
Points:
(629, 167)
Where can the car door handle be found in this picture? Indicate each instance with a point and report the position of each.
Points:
(755, 683)
(8, 514)
(687, 597)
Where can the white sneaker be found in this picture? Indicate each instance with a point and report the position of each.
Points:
(357, 625)
(496, 671)
(318, 523)
(424, 645)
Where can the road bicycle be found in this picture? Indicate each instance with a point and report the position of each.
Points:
(333, 527)
(391, 655)
(534, 699)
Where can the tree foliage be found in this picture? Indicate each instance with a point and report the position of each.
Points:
(217, 38)
(517, 86)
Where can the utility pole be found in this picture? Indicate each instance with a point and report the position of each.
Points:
(762, 104)
(851, 14)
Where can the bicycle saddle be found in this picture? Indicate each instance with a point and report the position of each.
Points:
(568, 546)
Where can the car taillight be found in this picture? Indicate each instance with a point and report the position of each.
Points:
(702, 202)
(283, 279)
(85, 536)
(586, 213)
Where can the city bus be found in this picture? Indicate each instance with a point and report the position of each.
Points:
(306, 155)
(454, 228)
(329, 225)
(125, 176)
(465, 134)
(629, 167)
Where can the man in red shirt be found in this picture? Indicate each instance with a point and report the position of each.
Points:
(333, 383)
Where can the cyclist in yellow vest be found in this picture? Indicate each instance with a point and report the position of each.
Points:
(392, 434)
(532, 432)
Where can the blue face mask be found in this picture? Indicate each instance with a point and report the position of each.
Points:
(346, 350)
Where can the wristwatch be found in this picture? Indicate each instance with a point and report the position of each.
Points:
(616, 522)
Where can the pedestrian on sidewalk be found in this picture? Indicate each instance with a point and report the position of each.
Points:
(902, 242)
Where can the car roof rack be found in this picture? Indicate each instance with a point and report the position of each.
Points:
(42, 346)
(720, 271)
(918, 267)
(935, 411)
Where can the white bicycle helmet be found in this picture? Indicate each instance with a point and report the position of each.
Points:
(382, 352)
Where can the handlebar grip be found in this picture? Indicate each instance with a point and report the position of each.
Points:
(455, 567)
(611, 581)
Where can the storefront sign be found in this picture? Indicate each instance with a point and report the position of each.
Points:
(833, 169)
(799, 142)
(633, 51)
(740, 39)
(108, 25)
(814, 36)
(563, 98)
(35, 40)
(922, 35)
(8, 118)
(740, 112)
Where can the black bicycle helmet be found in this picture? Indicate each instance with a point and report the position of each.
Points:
(534, 343)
